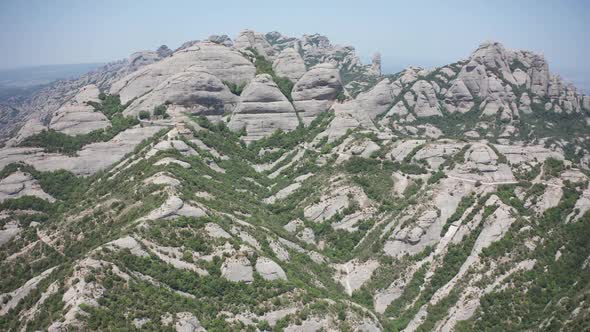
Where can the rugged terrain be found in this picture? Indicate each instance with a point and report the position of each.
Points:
(277, 183)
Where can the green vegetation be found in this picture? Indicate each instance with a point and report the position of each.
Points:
(60, 184)
(26, 203)
(236, 89)
(144, 115)
(436, 176)
(109, 105)
(552, 168)
(465, 203)
(110, 205)
(160, 112)
(552, 289)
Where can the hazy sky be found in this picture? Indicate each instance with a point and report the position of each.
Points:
(425, 33)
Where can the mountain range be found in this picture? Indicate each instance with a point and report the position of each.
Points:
(274, 183)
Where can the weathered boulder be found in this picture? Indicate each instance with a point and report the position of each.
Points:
(426, 101)
(289, 64)
(237, 269)
(263, 109)
(458, 98)
(376, 64)
(474, 77)
(495, 58)
(269, 270)
(142, 58)
(164, 51)
(347, 115)
(379, 99)
(316, 91)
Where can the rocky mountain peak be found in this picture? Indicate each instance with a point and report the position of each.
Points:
(376, 64)
(163, 51)
(221, 39)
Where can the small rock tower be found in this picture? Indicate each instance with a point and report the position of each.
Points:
(376, 64)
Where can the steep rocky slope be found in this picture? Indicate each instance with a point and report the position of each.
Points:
(277, 183)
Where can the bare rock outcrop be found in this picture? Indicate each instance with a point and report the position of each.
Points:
(269, 270)
(254, 40)
(221, 39)
(21, 184)
(187, 322)
(289, 64)
(223, 62)
(197, 91)
(237, 269)
(379, 99)
(263, 109)
(77, 116)
(426, 101)
(316, 91)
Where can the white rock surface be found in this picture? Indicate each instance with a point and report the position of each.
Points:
(263, 109)
(237, 269)
(283, 193)
(269, 270)
(197, 90)
(91, 159)
(316, 91)
(187, 322)
(21, 184)
(354, 274)
(426, 100)
(14, 297)
(289, 64)
(255, 40)
(169, 160)
(9, 231)
(77, 117)
(218, 60)
(215, 231)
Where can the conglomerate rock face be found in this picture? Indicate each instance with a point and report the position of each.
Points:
(263, 109)
(316, 91)
(289, 64)
(268, 182)
(78, 117)
(223, 62)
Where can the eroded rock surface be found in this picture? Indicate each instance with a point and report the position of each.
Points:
(263, 109)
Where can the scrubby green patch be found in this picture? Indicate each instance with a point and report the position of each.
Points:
(236, 89)
(26, 203)
(51, 310)
(552, 168)
(545, 297)
(60, 184)
(109, 105)
(541, 123)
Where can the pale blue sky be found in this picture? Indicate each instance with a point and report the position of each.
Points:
(416, 32)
